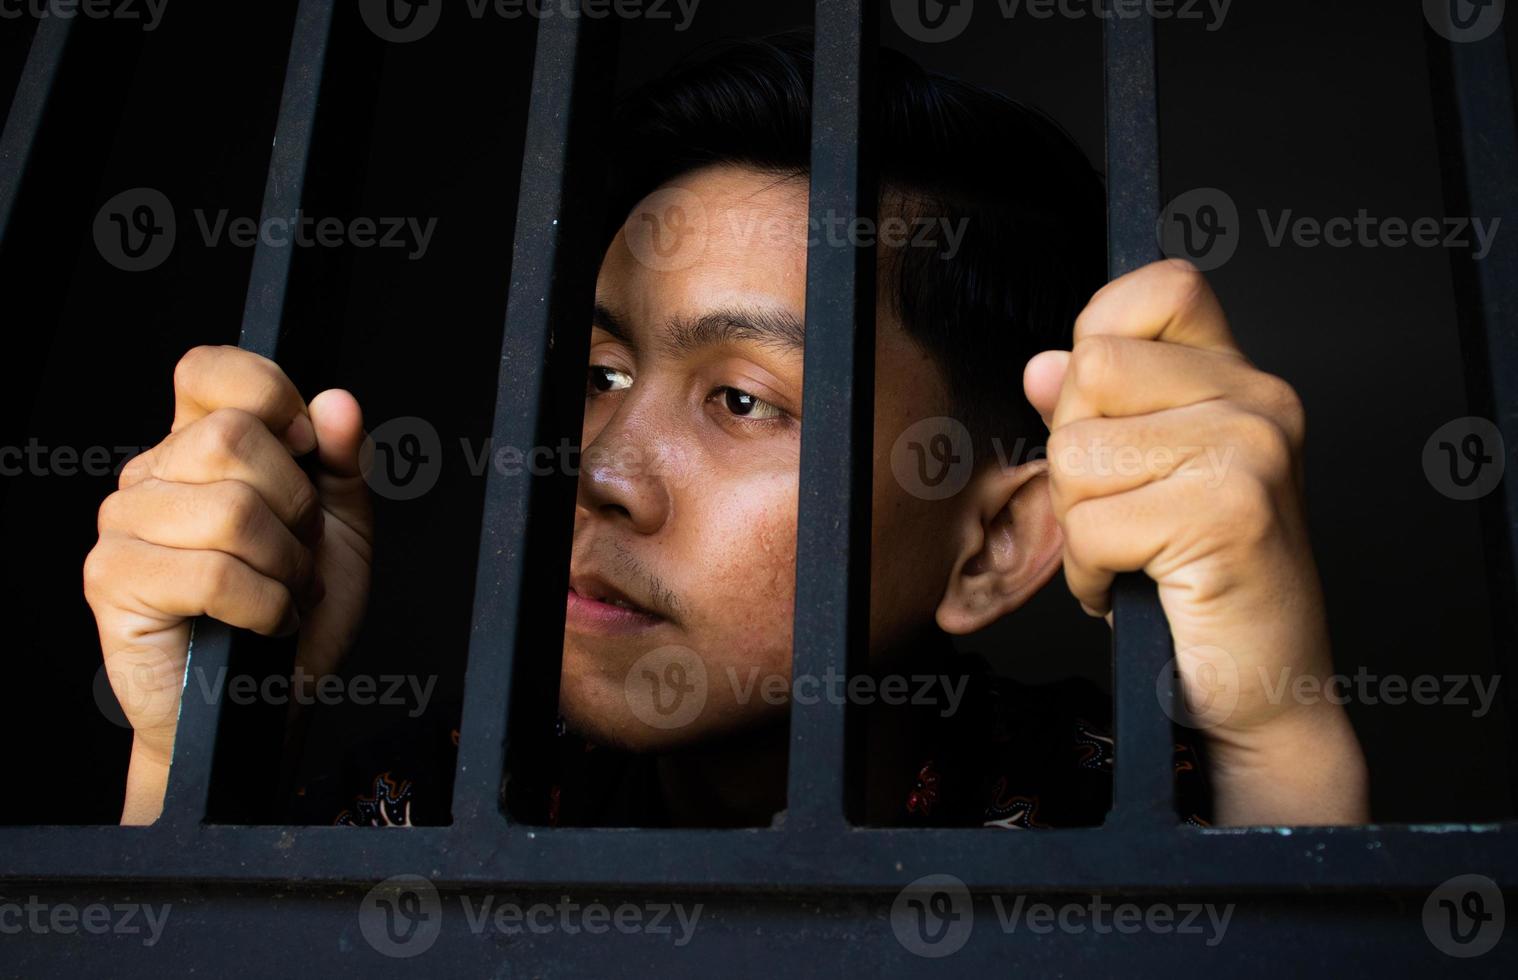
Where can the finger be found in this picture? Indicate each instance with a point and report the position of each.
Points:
(1100, 457)
(231, 444)
(180, 583)
(1157, 529)
(1169, 301)
(228, 516)
(1117, 376)
(1098, 545)
(1043, 377)
(340, 437)
(208, 379)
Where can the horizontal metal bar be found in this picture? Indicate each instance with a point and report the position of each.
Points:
(210, 640)
(522, 570)
(1365, 859)
(833, 523)
(1143, 791)
(27, 107)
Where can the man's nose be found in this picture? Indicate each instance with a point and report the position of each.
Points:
(623, 477)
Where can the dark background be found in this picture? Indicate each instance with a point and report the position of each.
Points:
(1321, 107)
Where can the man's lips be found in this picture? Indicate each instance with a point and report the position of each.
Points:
(593, 605)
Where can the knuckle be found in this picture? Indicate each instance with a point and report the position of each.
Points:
(240, 511)
(1071, 449)
(1081, 525)
(1285, 406)
(130, 471)
(1246, 511)
(218, 574)
(97, 570)
(264, 385)
(280, 603)
(192, 363)
(111, 513)
(303, 499)
(228, 432)
(1093, 362)
(1184, 281)
(1266, 443)
(1060, 445)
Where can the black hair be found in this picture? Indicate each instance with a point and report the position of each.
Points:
(1031, 208)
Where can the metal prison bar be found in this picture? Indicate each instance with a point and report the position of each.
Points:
(1141, 849)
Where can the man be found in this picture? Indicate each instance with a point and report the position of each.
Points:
(684, 537)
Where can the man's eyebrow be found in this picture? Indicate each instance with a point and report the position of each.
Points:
(604, 318)
(767, 327)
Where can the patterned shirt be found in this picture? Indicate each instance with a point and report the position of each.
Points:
(1012, 756)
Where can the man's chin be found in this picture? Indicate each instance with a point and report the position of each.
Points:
(622, 730)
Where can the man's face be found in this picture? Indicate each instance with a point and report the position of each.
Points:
(682, 579)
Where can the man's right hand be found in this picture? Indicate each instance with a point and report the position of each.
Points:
(219, 520)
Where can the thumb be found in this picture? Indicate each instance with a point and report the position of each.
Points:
(1043, 379)
(339, 424)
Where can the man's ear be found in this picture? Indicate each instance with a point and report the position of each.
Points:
(1009, 546)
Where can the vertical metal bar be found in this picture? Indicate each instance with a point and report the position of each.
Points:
(833, 531)
(1478, 129)
(1144, 778)
(211, 640)
(27, 107)
(523, 569)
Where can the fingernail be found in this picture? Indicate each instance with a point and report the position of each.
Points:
(301, 436)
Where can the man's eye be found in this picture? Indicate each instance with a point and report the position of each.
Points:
(747, 406)
(603, 378)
